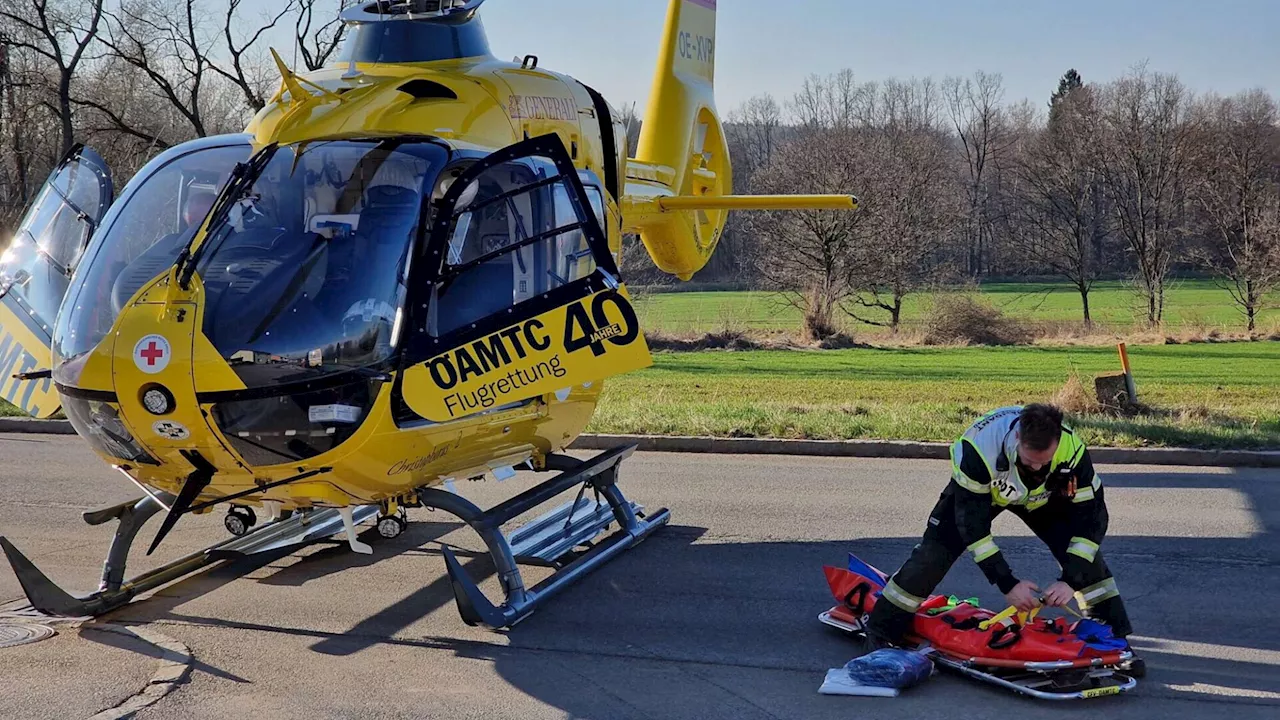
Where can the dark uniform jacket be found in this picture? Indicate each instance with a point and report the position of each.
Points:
(984, 466)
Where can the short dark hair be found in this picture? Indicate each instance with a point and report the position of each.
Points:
(1040, 425)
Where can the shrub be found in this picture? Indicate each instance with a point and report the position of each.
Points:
(965, 320)
(1074, 398)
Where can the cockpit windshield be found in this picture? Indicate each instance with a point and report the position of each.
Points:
(305, 273)
(156, 217)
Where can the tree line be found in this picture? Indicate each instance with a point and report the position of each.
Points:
(133, 77)
(1136, 177)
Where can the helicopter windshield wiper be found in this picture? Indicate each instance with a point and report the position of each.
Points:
(237, 187)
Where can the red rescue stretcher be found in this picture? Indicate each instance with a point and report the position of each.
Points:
(1046, 658)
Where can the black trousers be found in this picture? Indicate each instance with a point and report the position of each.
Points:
(941, 546)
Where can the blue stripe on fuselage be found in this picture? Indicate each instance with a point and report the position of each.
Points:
(15, 359)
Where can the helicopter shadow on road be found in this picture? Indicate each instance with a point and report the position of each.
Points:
(291, 566)
(683, 622)
(699, 619)
(680, 628)
(704, 628)
(683, 608)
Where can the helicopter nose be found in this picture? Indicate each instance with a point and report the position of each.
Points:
(152, 369)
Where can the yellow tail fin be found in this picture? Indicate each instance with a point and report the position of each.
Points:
(681, 149)
(679, 180)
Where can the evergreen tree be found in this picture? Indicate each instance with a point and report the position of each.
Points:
(1069, 82)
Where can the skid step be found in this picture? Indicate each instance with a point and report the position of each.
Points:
(302, 528)
(551, 536)
(548, 538)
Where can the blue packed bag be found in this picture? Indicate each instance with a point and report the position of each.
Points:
(884, 672)
(1099, 636)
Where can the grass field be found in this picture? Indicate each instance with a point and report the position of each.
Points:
(1203, 395)
(1216, 395)
(1197, 303)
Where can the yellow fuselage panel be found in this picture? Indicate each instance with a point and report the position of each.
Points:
(494, 104)
(497, 104)
(25, 349)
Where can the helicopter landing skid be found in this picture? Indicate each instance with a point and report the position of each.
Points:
(549, 539)
(114, 591)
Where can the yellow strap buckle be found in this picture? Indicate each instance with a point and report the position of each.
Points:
(1011, 612)
(1004, 615)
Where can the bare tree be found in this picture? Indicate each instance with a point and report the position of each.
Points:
(881, 142)
(911, 205)
(974, 105)
(753, 132)
(1055, 203)
(831, 102)
(904, 106)
(171, 47)
(17, 116)
(805, 255)
(252, 77)
(174, 49)
(1146, 146)
(120, 109)
(62, 34)
(319, 37)
(632, 122)
(1239, 194)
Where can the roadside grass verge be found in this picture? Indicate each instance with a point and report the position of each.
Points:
(1199, 395)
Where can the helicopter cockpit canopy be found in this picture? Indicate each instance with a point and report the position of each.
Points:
(305, 268)
(158, 213)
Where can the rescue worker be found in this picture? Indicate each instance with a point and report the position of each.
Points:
(1021, 459)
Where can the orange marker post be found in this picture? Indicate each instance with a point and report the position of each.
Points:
(1129, 384)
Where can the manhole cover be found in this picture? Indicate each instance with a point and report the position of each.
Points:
(23, 633)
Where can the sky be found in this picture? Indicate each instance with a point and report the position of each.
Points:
(772, 45)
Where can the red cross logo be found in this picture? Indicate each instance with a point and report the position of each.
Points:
(152, 353)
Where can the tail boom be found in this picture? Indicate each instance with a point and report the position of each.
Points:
(679, 184)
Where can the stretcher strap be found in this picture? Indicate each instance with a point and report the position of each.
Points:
(1004, 618)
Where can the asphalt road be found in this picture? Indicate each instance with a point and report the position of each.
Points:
(713, 616)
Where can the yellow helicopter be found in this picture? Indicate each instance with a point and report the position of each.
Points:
(403, 273)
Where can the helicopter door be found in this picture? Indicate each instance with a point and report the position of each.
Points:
(36, 269)
(520, 297)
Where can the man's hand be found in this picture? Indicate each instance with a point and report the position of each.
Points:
(1023, 595)
(1058, 594)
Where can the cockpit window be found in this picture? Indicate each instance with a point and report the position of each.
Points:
(516, 234)
(40, 258)
(154, 222)
(306, 275)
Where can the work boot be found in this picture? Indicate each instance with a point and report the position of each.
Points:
(1135, 668)
(874, 640)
